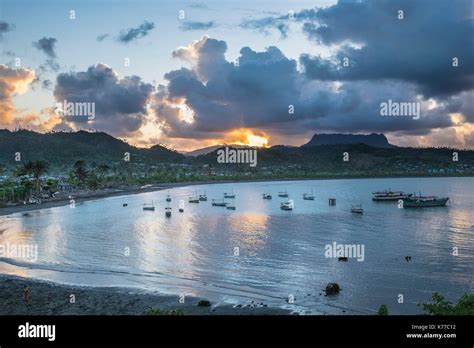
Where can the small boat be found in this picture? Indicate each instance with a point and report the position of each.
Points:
(149, 206)
(283, 194)
(203, 198)
(267, 196)
(308, 196)
(193, 199)
(230, 207)
(424, 201)
(229, 195)
(125, 205)
(168, 212)
(389, 195)
(218, 203)
(181, 210)
(168, 198)
(357, 209)
(287, 205)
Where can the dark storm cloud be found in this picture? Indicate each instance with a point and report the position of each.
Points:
(46, 45)
(5, 27)
(131, 34)
(418, 48)
(257, 92)
(189, 26)
(120, 104)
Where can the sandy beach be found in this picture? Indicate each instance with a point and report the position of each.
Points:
(46, 298)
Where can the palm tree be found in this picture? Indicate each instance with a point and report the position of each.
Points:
(37, 169)
(80, 171)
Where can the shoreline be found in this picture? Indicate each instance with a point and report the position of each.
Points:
(48, 298)
(116, 192)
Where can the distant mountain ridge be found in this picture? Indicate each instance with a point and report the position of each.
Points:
(374, 140)
(208, 149)
(64, 148)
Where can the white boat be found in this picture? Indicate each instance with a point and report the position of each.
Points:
(286, 205)
(357, 209)
(193, 199)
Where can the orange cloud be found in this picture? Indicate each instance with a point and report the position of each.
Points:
(12, 82)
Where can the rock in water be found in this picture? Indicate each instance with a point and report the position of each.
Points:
(204, 303)
(332, 288)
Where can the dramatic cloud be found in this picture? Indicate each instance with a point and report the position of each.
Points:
(418, 45)
(131, 34)
(188, 26)
(215, 97)
(120, 103)
(12, 82)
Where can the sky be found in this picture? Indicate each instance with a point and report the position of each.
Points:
(191, 74)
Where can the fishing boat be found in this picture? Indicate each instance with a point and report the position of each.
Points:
(267, 196)
(149, 206)
(287, 205)
(424, 201)
(283, 194)
(229, 195)
(203, 198)
(230, 206)
(308, 196)
(193, 199)
(168, 211)
(218, 203)
(357, 209)
(389, 195)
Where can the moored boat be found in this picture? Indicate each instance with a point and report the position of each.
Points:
(168, 211)
(357, 209)
(218, 203)
(308, 196)
(283, 194)
(203, 197)
(193, 199)
(424, 201)
(229, 194)
(149, 206)
(389, 195)
(267, 196)
(286, 205)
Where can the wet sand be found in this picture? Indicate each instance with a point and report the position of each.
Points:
(46, 298)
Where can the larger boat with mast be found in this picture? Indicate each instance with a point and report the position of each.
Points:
(424, 201)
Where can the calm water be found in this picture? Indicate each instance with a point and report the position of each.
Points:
(280, 252)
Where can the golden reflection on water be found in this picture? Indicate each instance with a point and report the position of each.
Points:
(13, 232)
(166, 243)
(249, 232)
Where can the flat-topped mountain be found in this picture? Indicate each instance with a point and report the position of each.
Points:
(374, 140)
